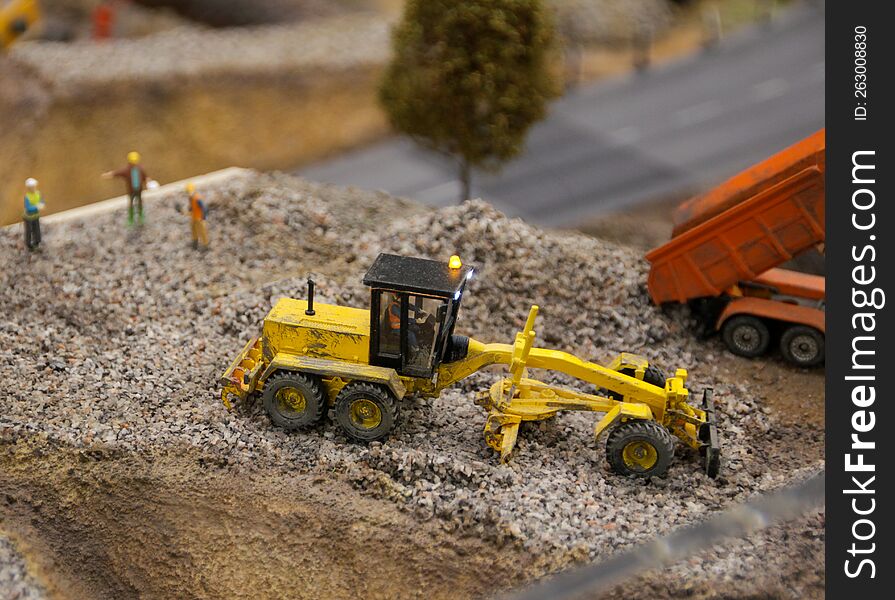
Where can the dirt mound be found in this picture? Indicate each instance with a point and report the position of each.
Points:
(101, 524)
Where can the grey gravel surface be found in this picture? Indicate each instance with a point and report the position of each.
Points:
(118, 337)
(333, 43)
(16, 582)
(783, 561)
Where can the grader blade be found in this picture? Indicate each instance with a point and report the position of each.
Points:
(708, 434)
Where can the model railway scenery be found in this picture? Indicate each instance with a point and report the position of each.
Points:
(413, 299)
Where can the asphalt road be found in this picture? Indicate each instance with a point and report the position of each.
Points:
(672, 130)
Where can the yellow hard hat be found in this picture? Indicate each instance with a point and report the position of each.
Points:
(133, 157)
(190, 187)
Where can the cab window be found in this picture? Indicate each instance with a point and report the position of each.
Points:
(422, 331)
(390, 324)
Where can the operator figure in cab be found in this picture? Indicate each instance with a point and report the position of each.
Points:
(394, 321)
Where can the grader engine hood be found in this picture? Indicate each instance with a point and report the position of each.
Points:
(332, 332)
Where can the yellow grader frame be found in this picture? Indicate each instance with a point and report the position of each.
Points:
(310, 358)
(16, 18)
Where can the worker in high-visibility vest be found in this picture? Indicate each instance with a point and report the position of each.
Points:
(136, 180)
(198, 213)
(34, 203)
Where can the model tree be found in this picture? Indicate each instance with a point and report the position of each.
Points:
(470, 78)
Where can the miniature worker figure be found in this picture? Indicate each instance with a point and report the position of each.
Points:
(136, 181)
(198, 213)
(34, 203)
(103, 20)
(394, 321)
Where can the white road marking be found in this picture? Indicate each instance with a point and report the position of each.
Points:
(627, 134)
(697, 113)
(768, 89)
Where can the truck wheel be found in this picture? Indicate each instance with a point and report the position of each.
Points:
(802, 346)
(366, 412)
(640, 448)
(293, 400)
(653, 375)
(746, 336)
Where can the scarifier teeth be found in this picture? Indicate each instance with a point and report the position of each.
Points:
(509, 433)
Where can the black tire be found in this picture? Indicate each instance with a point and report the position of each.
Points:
(653, 375)
(366, 412)
(640, 448)
(746, 335)
(294, 400)
(803, 346)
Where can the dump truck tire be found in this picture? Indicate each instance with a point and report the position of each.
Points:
(640, 448)
(802, 346)
(653, 375)
(366, 412)
(293, 400)
(745, 335)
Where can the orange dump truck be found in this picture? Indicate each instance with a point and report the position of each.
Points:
(728, 243)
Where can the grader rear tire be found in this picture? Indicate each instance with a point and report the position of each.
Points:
(366, 412)
(640, 448)
(294, 400)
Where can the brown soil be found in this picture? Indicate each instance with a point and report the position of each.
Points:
(96, 524)
(643, 227)
(182, 128)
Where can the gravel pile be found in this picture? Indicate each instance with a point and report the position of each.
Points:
(782, 561)
(334, 43)
(118, 338)
(16, 583)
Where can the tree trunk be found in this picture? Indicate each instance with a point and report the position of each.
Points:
(465, 180)
(573, 60)
(643, 43)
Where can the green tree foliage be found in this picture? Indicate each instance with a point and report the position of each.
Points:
(470, 77)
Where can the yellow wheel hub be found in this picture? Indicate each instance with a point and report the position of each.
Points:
(365, 414)
(640, 456)
(290, 399)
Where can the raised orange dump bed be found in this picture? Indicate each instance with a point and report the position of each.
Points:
(807, 154)
(753, 222)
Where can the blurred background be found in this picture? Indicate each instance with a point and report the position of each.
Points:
(659, 99)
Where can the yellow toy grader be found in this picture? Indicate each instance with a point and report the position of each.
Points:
(362, 363)
(16, 18)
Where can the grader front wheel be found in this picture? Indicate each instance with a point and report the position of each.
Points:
(640, 448)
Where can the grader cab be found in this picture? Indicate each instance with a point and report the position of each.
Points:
(413, 309)
(362, 363)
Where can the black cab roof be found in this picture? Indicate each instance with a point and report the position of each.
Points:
(420, 275)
